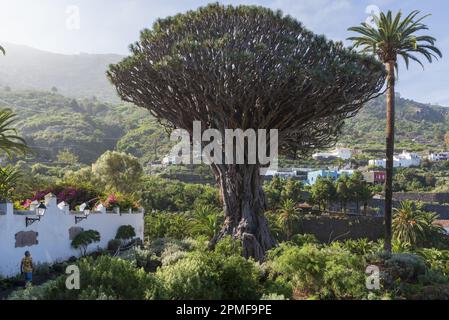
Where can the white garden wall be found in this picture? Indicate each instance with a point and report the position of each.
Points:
(53, 233)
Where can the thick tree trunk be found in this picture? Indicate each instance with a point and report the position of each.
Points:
(390, 152)
(244, 208)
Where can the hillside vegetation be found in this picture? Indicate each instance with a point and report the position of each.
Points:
(418, 126)
(52, 123)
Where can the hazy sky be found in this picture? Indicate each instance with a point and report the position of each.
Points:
(109, 26)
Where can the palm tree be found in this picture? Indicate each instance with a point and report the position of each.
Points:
(10, 142)
(9, 177)
(343, 192)
(390, 38)
(206, 221)
(409, 223)
(288, 214)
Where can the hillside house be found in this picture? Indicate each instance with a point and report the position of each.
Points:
(374, 177)
(403, 160)
(338, 153)
(439, 156)
(313, 176)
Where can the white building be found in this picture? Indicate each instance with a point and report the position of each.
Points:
(282, 174)
(403, 160)
(341, 153)
(440, 156)
(171, 159)
(48, 237)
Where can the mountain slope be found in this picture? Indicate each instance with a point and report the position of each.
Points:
(78, 76)
(52, 123)
(416, 123)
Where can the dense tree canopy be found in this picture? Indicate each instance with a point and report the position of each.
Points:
(118, 171)
(244, 68)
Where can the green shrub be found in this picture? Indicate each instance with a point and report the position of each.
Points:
(405, 267)
(171, 255)
(42, 269)
(278, 286)
(239, 278)
(117, 278)
(190, 278)
(302, 239)
(432, 292)
(167, 225)
(125, 232)
(158, 246)
(332, 273)
(219, 274)
(273, 296)
(437, 260)
(103, 278)
(84, 239)
(114, 244)
(361, 247)
(35, 292)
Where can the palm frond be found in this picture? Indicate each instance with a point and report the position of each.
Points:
(10, 142)
(396, 36)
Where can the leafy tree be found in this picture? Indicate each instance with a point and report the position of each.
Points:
(292, 190)
(389, 39)
(278, 189)
(323, 191)
(125, 232)
(446, 139)
(343, 191)
(118, 171)
(273, 191)
(246, 67)
(84, 239)
(67, 157)
(83, 176)
(10, 142)
(365, 195)
(288, 214)
(359, 190)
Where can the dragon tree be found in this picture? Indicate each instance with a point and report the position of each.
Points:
(246, 67)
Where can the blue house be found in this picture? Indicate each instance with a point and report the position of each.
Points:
(312, 176)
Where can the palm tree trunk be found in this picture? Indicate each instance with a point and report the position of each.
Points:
(390, 152)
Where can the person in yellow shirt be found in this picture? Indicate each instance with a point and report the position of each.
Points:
(26, 267)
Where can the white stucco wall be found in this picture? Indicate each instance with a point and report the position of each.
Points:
(53, 238)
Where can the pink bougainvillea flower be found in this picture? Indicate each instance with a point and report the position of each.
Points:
(112, 198)
(26, 203)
